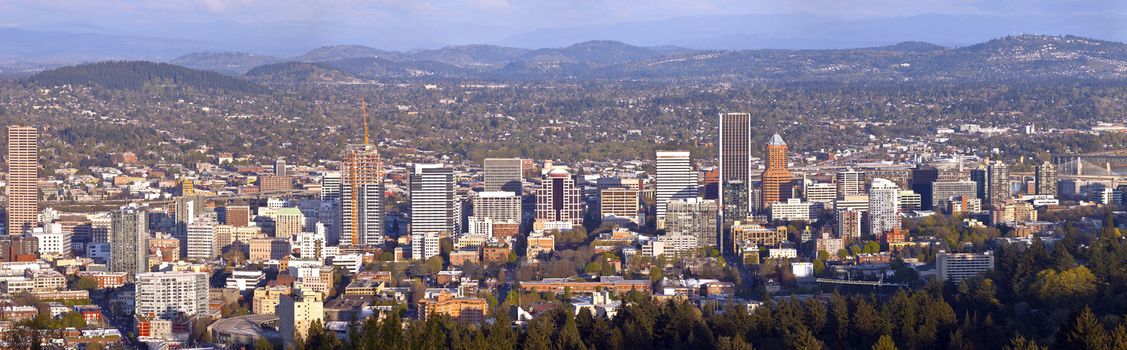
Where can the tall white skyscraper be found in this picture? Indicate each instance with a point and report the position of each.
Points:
(432, 199)
(675, 179)
(169, 295)
(201, 239)
(849, 183)
(884, 206)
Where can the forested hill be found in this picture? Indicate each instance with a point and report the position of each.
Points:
(138, 75)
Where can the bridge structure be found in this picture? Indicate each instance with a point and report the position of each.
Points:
(1090, 165)
(877, 284)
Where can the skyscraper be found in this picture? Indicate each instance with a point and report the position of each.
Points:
(504, 174)
(201, 239)
(188, 208)
(997, 184)
(280, 167)
(776, 177)
(979, 178)
(432, 200)
(362, 192)
(920, 183)
(361, 196)
(557, 200)
(129, 230)
(1045, 179)
(23, 175)
(850, 183)
(735, 150)
(884, 206)
(675, 179)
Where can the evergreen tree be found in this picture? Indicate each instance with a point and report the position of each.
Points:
(1085, 332)
(884, 343)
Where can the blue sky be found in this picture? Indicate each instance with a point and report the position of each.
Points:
(427, 23)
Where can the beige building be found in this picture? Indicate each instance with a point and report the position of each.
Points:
(268, 248)
(266, 299)
(620, 205)
(296, 312)
(23, 177)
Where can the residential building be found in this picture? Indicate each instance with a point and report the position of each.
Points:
(956, 267)
(848, 225)
(362, 197)
(462, 309)
(997, 184)
(693, 217)
(171, 295)
(425, 245)
(1045, 179)
(793, 209)
(129, 251)
(884, 206)
(201, 239)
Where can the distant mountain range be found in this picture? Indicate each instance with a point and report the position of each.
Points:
(1013, 57)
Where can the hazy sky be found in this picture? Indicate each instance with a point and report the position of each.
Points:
(430, 23)
(113, 15)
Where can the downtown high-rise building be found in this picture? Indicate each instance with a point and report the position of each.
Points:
(171, 295)
(849, 183)
(557, 200)
(23, 177)
(498, 206)
(187, 209)
(129, 231)
(735, 161)
(1045, 179)
(944, 191)
(432, 200)
(923, 176)
(280, 167)
(674, 180)
(776, 177)
(201, 239)
(361, 197)
(884, 206)
(693, 217)
(848, 225)
(997, 184)
(330, 186)
(504, 174)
